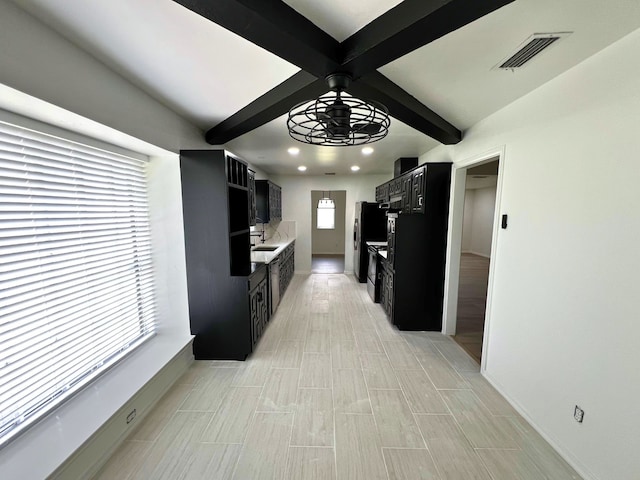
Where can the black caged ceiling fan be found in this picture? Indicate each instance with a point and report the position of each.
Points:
(334, 119)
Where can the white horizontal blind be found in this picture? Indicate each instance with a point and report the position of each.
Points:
(76, 284)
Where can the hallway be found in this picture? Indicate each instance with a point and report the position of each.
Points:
(335, 392)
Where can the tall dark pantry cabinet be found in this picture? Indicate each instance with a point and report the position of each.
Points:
(412, 288)
(228, 301)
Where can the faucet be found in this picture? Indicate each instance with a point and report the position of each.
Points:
(261, 234)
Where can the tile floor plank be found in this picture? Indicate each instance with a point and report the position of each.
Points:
(265, 450)
(313, 424)
(311, 463)
(231, 422)
(410, 464)
(481, 428)
(280, 391)
(420, 392)
(316, 370)
(452, 453)
(358, 449)
(350, 394)
(394, 420)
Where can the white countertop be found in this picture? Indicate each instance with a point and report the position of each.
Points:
(266, 257)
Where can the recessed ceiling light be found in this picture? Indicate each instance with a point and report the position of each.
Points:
(355, 168)
(302, 168)
(294, 150)
(367, 151)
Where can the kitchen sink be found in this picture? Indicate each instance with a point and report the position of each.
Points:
(264, 248)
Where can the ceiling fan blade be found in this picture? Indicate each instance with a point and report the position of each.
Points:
(370, 128)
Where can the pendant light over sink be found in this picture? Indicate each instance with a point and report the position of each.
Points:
(337, 119)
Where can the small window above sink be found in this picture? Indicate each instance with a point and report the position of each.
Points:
(264, 248)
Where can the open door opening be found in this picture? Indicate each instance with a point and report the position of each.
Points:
(475, 256)
(328, 223)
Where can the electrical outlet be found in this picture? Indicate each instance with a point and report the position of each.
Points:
(131, 416)
(578, 414)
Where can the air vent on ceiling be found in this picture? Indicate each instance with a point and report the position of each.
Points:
(330, 173)
(530, 48)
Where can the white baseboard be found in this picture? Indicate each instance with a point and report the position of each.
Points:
(95, 452)
(583, 471)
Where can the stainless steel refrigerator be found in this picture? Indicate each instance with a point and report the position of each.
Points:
(370, 225)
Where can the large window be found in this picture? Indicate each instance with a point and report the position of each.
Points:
(75, 269)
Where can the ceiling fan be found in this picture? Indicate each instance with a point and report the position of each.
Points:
(334, 119)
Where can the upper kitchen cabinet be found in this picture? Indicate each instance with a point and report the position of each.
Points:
(252, 197)
(418, 185)
(268, 201)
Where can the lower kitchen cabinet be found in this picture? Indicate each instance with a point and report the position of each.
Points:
(287, 267)
(258, 303)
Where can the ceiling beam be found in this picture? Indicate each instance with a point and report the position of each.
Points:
(279, 29)
(276, 27)
(276, 102)
(405, 107)
(408, 26)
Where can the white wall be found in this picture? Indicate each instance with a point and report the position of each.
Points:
(39, 62)
(296, 206)
(479, 208)
(564, 326)
(467, 220)
(324, 241)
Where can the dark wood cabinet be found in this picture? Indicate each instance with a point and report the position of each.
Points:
(258, 303)
(391, 237)
(268, 201)
(287, 267)
(386, 288)
(413, 280)
(418, 185)
(220, 279)
(406, 183)
(252, 197)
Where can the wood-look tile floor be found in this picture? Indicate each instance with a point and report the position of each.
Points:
(472, 303)
(334, 392)
(327, 263)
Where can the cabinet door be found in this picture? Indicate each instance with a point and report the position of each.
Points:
(418, 191)
(391, 239)
(252, 198)
(405, 191)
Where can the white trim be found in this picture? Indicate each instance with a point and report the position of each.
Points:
(454, 243)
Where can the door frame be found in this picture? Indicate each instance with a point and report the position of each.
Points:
(454, 243)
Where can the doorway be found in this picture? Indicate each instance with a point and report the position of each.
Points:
(328, 215)
(477, 231)
(471, 262)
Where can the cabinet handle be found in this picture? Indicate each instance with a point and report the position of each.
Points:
(420, 201)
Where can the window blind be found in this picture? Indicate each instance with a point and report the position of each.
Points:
(76, 280)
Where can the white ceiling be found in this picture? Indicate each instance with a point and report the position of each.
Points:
(206, 73)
